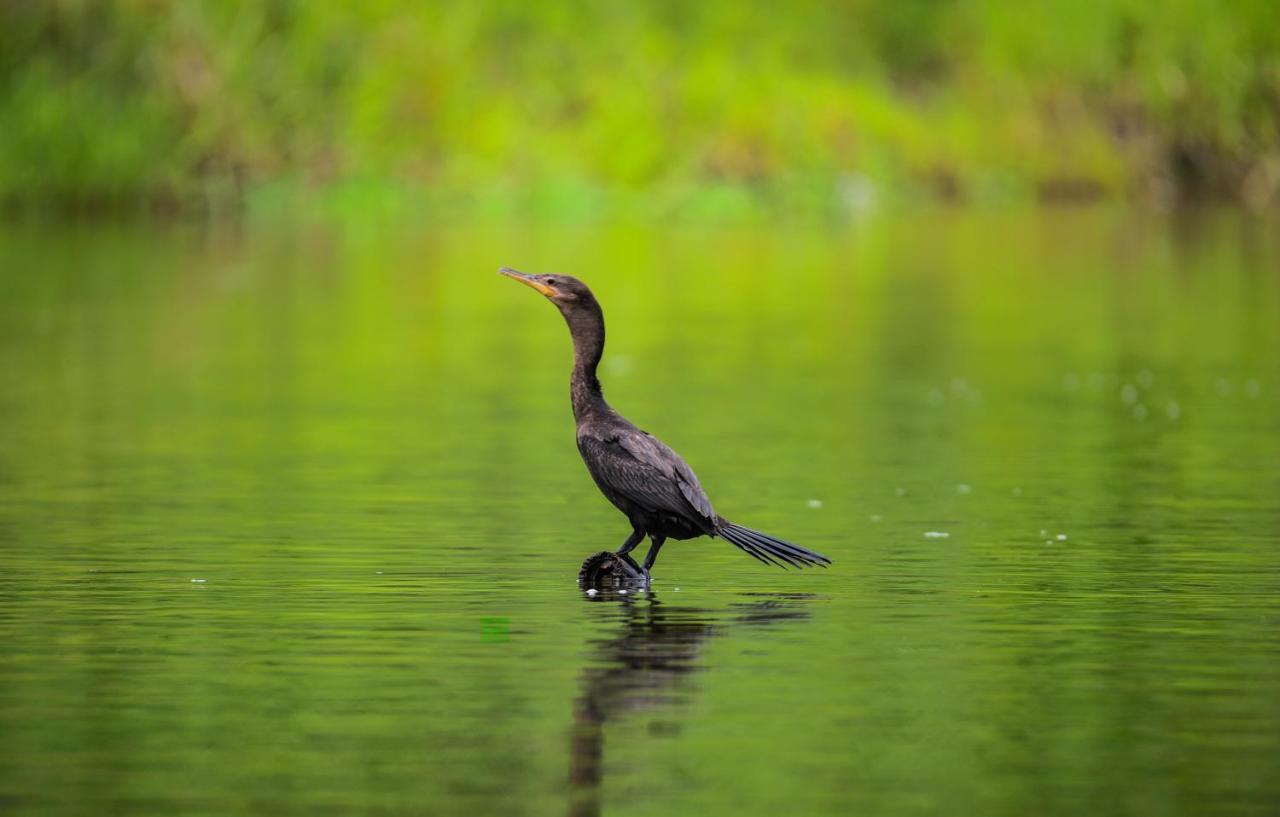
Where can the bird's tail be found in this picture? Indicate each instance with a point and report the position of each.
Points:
(768, 549)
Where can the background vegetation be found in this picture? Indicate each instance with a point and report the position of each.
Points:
(661, 107)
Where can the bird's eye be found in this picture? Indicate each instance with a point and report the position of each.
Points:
(551, 281)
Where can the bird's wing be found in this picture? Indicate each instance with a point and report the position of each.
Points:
(649, 449)
(642, 468)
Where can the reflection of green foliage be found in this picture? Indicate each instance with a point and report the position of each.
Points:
(578, 104)
(360, 437)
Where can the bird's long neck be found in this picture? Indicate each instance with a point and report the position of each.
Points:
(586, 326)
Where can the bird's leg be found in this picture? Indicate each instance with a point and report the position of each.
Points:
(630, 545)
(632, 541)
(652, 555)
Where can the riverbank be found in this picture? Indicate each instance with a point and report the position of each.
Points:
(709, 112)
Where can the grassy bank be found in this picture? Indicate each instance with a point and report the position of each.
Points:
(667, 108)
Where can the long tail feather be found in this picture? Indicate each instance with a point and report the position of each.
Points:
(793, 553)
(758, 556)
(767, 548)
(765, 556)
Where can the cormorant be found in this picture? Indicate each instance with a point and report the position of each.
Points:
(637, 472)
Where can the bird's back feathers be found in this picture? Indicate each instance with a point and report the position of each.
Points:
(647, 474)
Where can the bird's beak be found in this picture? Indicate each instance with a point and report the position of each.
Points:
(527, 280)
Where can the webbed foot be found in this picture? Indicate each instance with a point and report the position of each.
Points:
(626, 557)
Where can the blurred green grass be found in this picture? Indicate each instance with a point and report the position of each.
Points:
(656, 109)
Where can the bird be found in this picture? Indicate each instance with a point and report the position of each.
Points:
(644, 479)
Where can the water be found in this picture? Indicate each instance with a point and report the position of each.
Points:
(290, 517)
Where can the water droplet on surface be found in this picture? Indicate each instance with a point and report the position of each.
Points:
(814, 503)
(199, 581)
(1062, 537)
(592, 591)
(963, 488)
(936, 534)
(1129, 393)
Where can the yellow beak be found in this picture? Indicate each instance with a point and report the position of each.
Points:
(527, 280)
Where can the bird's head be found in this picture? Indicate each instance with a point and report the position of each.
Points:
(566, 292)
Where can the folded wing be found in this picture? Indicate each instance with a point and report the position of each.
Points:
(644, 470)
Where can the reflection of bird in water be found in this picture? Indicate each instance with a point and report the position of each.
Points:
(636, 471)
(643, 667)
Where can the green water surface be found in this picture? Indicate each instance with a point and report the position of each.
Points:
(290, 517)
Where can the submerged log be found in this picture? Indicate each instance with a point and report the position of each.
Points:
(609, 571)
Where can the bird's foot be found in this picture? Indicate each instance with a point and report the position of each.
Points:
(630, 562)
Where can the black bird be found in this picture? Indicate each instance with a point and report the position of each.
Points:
(635, 470)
